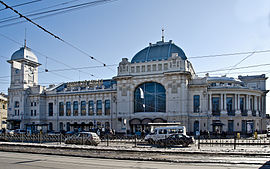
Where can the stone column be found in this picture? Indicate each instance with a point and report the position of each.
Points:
(225, 102)
(247, 99)
(259, 100)
(221, 102)
(255, 103)
(235, 102)
(210, 102)
(238, 104)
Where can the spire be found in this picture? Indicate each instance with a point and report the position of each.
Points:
(25, 38)
(162, 38)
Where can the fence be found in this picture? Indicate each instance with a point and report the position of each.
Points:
(233, 142)
(133, 140)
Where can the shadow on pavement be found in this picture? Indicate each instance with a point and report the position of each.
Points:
(265, 165)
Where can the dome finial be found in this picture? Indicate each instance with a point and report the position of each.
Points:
(162, 38)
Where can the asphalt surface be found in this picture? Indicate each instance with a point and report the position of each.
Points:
(11, 160)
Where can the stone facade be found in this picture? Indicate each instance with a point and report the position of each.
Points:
(158, 85)
(3, 111)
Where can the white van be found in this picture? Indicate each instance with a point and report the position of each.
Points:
(160, 133)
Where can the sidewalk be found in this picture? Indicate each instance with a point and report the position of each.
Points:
(120, 147)
(127, 152)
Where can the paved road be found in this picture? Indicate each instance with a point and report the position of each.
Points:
(10, 160)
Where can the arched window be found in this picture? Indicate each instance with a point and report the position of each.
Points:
(150, 97)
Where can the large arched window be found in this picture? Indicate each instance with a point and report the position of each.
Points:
(150, 97)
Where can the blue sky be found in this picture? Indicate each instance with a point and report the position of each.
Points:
(121, 28)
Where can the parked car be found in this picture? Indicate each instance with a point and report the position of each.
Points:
(19, 131)
(88, 138)
(176, 139)
(70, 133)
(11, 132)
(53, 133)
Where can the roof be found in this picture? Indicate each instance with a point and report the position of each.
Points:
(4, 98)
(157, 52)
(226, 79)
(24, 53)
(262, 76)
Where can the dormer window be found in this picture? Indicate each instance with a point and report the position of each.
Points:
(148, 68)
(154, 67)
(159, 67)
(137, 69)
(143, 68)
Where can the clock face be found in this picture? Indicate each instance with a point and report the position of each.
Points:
(31, 74)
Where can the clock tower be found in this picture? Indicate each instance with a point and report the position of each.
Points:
(24, 69)
(24, 78)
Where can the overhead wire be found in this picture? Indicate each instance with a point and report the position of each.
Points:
(47, 57)
(230, 54)
(6, 19)
(233, 67)
(55, 36)
(243, 67)
(26, 3)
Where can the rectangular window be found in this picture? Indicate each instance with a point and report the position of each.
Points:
(242, 106)
(132, 69)
(50, 109)
(251, 104)
(107, 107)
(31, 104)
(35, 103)
(91, 108)
(215, 106)
(35, 112)
(83, 108)
(137, 69)
(99, 107)
(196, 103)
(159, 67)
(143, 68)
(154, 67)
(68, 109)
(165, 66)
(75, 108)
(229, 105)
(31, 112)
(148, 68)
(17, 104)
(61, 109)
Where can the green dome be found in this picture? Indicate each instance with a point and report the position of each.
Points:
(157, 52)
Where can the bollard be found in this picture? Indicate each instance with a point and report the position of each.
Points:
(82, 139)
(199, 146)
(238, 135)
(107, 140)
(255, 135)
(234, 144)
(60, 138)
(135, 141)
